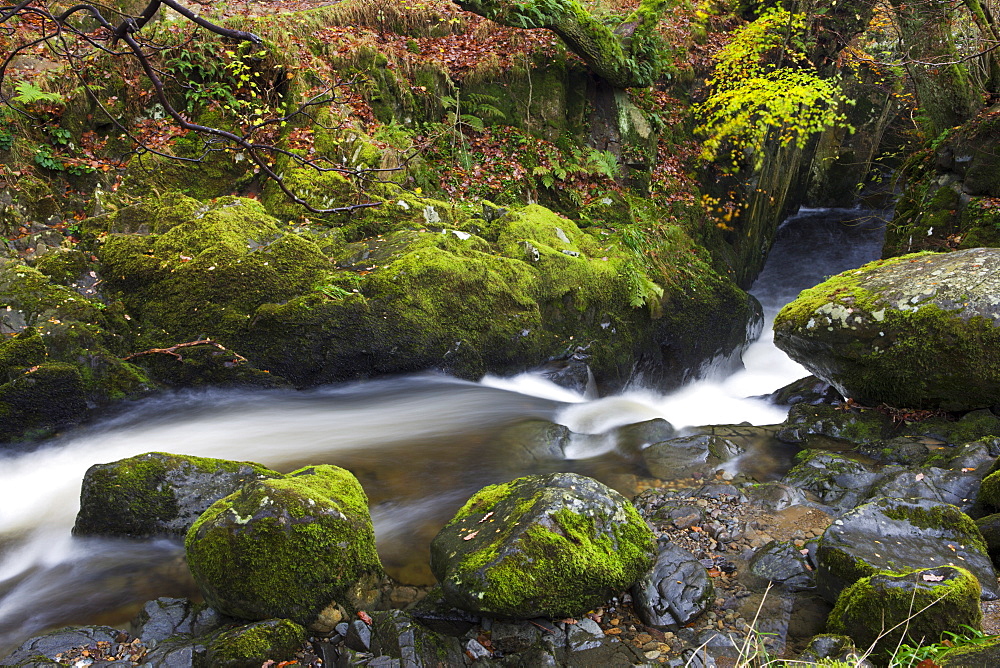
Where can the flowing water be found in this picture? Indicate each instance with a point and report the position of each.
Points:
(420, 445)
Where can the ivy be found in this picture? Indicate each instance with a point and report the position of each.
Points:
(765, 89)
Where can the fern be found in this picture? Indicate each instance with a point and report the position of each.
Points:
(28, 93)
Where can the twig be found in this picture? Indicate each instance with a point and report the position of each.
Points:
(172, 350)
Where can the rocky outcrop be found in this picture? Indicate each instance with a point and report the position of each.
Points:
(919, 331)
(290, 547)
(553, 545)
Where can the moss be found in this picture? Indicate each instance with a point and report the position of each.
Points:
(251, 645)
(877, 349)
(46, 398)
(519, 549)
(138, 496)
(64, 267)
(939, 517)
(885, 609)
(285, 547)
(24, 350)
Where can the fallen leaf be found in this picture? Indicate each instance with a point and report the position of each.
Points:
(486, 517)
(365, 617)
(470, 536)
(918, 477)
(930, 577)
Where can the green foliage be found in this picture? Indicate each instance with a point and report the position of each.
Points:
(909, 655)
(764, 88)
(28, 94)
(211, 74)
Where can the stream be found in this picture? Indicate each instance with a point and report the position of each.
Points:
(420, 445)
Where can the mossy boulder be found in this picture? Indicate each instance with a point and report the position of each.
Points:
(550, 545)
(896, 535)
(917, 608)
(290, 547)
(157, 493)
(853, 424)
(59, 354)
(252, 645)
(918, 331)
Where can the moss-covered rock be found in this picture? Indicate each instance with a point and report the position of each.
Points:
(896, 535)
(555, 545)
(254, 644)
(855, 424)
(47, 397)
(886, 609)
(918, 331)
(289, 547)
(835, 479)
(157, 493)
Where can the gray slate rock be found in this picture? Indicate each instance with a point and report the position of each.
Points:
(835, 480)
(782, 563)
(397, 635)
(896, 535)
(676, 591)
(45, 647)
(168, 617)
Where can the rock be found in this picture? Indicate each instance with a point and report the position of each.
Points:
(886, 609)
(44, 648)
(531, 441)
(397, 635)
(980, 655)
(956, 487)
(571, 372)
(897, 535)
(917, 331)
(833, 648)
(697, 453)
(177, 652)
(359, 636)
(170, 617)
(781, 563)
(855, 425)
(438, 615)
(251, 645)
(675, 591)
(989, 526)
(549, 545)
(809, 390)
(836, 480)
(285, 547)
(973, 426)
(157, 493)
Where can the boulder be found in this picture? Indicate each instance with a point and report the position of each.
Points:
(254, 644)
(293, 547)
(834, 479)
(916, 608)
(675, 591)
(853, 424)
(780, 563)
(42, 650)
(166, 618)
(896, 535)
(549, 545)
(157, 494)
(916, 331)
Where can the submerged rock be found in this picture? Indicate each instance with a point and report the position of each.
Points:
(834, 479)
(917, 331)
(551, 545)
(897, 535)
(291, 547)
(157, 493)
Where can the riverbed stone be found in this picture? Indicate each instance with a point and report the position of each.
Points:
(780, 563)
(157, 493)
(957, 487)
(251, 645)
(42, 650)
(396, 634)
(885, 609)
(546, 545)
(166, 618)
(291, 547)
(849, 424)
(916, 331)
(896, 535)
(675, 591)
(834, 479)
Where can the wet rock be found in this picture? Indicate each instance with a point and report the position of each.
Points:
(913, 331)
(896, 535)
(809, 390)
(957, 487)
(169, 617)
(358, 636)
(157, 493)
(835, 480)
(438, 615)
(631, 439)
(44, 648)
(551, 545)
(855, 425)
(972, 426)
(531, 441)
(571, 372)
(773, 496)
(989, 526)
(699, 453)
(289, 547)
(675, 591)
(980, 655)
(886, 609)
(395, 634)
(781, 563)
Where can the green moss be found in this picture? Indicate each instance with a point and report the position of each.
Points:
(939, 517)
(885, 609)
(285, 547)
(48, 397)
(25, 349)
(250, 646)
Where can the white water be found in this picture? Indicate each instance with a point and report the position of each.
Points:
(421, 445)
